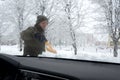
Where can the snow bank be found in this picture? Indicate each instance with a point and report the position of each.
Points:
(88, 53)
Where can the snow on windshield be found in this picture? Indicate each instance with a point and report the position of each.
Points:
(75, 29)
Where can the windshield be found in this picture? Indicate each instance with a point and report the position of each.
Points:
(74, 29)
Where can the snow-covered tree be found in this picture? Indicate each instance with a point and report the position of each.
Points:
(3, 20)
(74, 15)
(19, 13)
(111, 10)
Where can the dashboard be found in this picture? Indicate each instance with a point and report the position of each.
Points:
(43, 68)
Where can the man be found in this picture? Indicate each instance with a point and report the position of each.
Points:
(34, 38)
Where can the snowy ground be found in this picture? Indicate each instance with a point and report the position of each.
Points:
(88, 53)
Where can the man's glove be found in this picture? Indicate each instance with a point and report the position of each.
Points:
(49, 47)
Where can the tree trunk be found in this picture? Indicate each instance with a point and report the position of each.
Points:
(21, 23)
(20, 40)
(115, 51)
(75, 48)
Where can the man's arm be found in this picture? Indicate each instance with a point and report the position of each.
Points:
(40, 37)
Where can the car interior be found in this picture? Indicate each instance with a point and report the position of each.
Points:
(42, 68)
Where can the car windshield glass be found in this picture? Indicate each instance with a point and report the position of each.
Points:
(74, 29)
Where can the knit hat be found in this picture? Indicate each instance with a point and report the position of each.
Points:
(41, 18)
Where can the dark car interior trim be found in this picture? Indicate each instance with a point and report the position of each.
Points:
(45, 75)
(58, 68)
